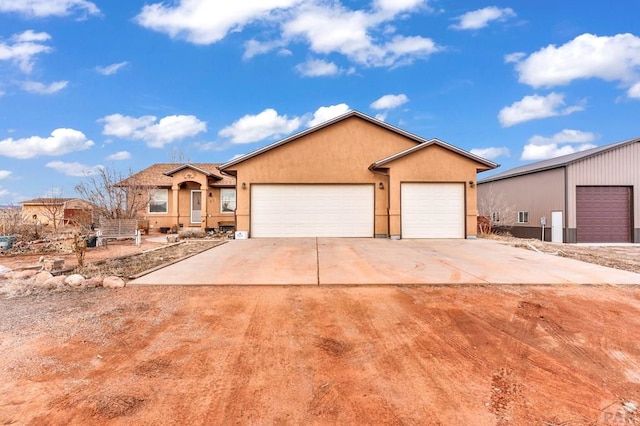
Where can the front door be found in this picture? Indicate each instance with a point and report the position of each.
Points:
(196, 206)
(556, 227)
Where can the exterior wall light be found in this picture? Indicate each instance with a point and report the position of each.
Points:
(244, 185)
(381, 185)
(472, 183)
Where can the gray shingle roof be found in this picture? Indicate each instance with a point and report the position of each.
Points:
(554, 163)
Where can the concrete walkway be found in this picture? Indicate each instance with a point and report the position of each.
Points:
(352, 261)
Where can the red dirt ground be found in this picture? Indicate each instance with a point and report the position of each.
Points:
(500, 355)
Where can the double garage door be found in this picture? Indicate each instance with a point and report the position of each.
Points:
(429, 210)
(603, 214)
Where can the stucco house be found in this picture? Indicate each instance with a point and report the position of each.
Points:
(591, 196)
(356, 176)
(185, 196)
(46, 210)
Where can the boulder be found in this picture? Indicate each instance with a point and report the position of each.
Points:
(42, 276)
(74, 280)
(113, 282)
(54, 282)
(53, 264)
(22, 275)
(93, 282)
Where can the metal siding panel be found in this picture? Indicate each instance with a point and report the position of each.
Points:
(312, 211)
(617, 167)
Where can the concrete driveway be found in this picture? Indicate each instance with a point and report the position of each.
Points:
(349, 261)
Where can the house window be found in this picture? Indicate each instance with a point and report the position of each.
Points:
(227, 200)
(159, 201)
(523, 217)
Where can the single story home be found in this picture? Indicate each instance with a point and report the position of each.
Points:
(356, 176)
(47, 210)
(185, 196)
(591, 196)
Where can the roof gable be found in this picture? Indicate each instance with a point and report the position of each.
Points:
(554, 163)
(486, 163)
(324, 125)
(159, 174)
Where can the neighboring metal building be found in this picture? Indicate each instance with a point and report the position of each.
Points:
(586, 197)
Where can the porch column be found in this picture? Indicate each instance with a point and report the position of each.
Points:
(175, 191)
(203, 206)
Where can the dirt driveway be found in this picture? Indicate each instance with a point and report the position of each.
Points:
(505, 355)
(368, 261)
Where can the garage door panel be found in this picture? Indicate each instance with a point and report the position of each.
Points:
(603, 214)
(432, 210)
(312, 210)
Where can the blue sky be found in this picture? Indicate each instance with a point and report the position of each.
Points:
(86, 84)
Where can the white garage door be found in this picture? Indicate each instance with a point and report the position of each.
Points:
(312, 210)
(432, 210)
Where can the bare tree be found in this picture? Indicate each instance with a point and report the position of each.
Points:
(10, 220)
(53, 208)
(496, 208)
(114, 195)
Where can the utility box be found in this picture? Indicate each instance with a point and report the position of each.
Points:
(241, 235)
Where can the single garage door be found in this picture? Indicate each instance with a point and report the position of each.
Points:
(603, 214)
(432, 210)
(312, 210)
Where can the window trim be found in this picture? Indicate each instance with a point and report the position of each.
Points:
(223, 199)
(151, 200)
(523, 216)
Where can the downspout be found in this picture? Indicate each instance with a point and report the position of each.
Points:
(373, 170)
(565, 216)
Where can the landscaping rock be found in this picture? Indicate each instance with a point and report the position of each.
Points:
(93, 282)
(23, 275)
(53, 264)
(113, 282)
(75, 280)
(54, 282)
(41, 277)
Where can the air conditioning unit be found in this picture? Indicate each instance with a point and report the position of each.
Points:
(241, 235)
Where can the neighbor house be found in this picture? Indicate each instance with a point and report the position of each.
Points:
(356, 176)
(591, 196)
(185, 196)
(68, 211)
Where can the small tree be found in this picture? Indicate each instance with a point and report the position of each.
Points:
(113, 195)
(497, 209)
(53, 208)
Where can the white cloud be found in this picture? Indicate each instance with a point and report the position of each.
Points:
(62, 141)
(535, 107)
(543, 147)
(317, 68)
(587, 56)
(254, 128)
(327, 113)
(334, 29)
(111, 69)
(207, 22)
(120, 155)
(364, 36)
(492, 152)
(382, 116)
(390, 101)
(4, 174)
(514, 57)
(482, 17)
(23, 48)
(74, 169)
(155, 134)
(38, 88)
(634, 91)
(44, 8)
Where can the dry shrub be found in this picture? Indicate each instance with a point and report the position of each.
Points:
(191, 233)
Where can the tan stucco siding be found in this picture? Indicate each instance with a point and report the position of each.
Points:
(340, 153)
(617, 167)
(179, 203)
(433, 164)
